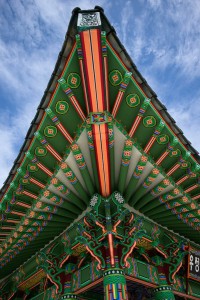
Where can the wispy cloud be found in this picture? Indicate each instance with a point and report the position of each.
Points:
(32, 34)
(126, 15)
(165, 32)
(161, 36)
(187, 117)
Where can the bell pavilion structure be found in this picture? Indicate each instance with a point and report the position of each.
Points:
(103, 199)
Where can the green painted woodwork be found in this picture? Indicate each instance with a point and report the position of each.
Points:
(164, 292)
(57, 180)
(114, 284)
(194, 288)
(92, 154)
(47, 295)
(135, 178)
(78, 280)
(142, 270)
(179, 284)
(69, 296)
(112, 153)
(136, 268)
(126, 156)
(83, 168)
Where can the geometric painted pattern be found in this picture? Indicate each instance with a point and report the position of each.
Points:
(97, 133)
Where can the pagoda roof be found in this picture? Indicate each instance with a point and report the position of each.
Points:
(54, 176)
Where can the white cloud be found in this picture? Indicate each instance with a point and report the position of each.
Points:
(187, 117)
(126, 15)
(7, 151)
(155, 3)
(31, 38)
(163, 38)
(165, 32)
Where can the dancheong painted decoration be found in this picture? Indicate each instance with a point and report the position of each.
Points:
(103, 200)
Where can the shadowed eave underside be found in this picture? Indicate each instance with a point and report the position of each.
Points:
(99, 128)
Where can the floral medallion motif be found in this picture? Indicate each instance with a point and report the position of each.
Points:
(163, 139)
(62, 107)
(32, 168)
(73, 80)
(149, 121)
(185, 165)
(50, 131)
(175, 153)
(40, 151)
(24, 181)
(115, 77)
(133, 100)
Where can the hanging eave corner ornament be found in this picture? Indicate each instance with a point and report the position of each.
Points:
(88, 20)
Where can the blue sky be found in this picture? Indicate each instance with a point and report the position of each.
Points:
(162, 37)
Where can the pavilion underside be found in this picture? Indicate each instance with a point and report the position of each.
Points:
(103, 199)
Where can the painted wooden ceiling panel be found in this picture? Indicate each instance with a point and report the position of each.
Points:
(98, 134)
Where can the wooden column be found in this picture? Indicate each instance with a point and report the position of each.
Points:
(114, 283)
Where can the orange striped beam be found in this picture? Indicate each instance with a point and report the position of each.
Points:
(93, 75)
(36, 182)
(42, 167)
(65, 133)
(53, 152)
(111, 249)
(191, 188)
(149, 144)
(162, 157)
(72, 99)
(115, 225)
(93, 69)
(118, 101)
(77, 107)
(31, 195)
(139, 117)
(45, 169)
(80, 57)
(50, 149)
(105, 63)
(13, 212)
(101, 145)
(152, 140)
(135, 126)
(121, 92)
(23, 204)
(10, 297)
(7, 227)
(181, 180)
(27, 178)
(196, 197)
(173, 169)
(170, 148)
(13, 221)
